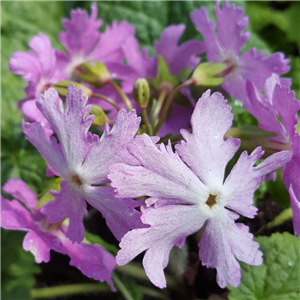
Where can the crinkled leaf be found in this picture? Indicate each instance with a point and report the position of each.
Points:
(278, 277)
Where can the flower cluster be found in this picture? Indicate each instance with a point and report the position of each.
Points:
(156, 164)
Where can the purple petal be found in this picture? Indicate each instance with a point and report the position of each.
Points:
(111, 148)
(81, 32)
(178, 57)
(138, 60)
(40, 243)
(41, 46)
(68, 203)
(244, 179)
(231, 25)
(222, 243)
(162, 174)
(210, 121)
(257, 68)
(264, 112)
(206, 27)
(14, 216)
(18, 189)
(47, 146)
(92, 260)
(119, 214)
(287, 107)
(169, 226)
(70, 124)
(109, 48)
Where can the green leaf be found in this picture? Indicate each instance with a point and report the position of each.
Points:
(18, 267)
(278, 277)
(96, 239)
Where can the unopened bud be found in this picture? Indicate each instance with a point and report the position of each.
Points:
(141, 92)
(62, 88)
(208, 74)
(93, 72)
(100, 116)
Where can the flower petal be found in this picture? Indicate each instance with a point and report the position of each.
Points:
(20, 191)
(40, 243)
(67, 203)
(92, 260)
(81, 31)
(178, 57)
(222, 243)
(119, 214)
(231, 25)
(205, 150)
(206, 27)
(169, 226)
(111, 148)
(70, 124)
(161, 174)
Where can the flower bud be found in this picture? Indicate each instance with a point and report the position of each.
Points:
(141, 92)
(208, 74)
(62, 88)
(93, 72)
(100, 116)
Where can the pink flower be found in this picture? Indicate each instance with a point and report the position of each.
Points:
(40, 67)
(84, 42)
(226, 45)
(186, 190)
(276, 111)
(82, 160)
(20, 214)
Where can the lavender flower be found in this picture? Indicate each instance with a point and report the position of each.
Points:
(187, 191)
(276, 110)
(20, 214)
(226, 45)
(82, 160)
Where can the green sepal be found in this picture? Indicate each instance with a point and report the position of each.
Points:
(100, 116)
(62, 88)
(208, 74)
(92, 72)
(164, 77)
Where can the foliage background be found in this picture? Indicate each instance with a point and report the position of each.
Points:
(274, 27)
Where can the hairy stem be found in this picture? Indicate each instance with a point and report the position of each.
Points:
(121, 94)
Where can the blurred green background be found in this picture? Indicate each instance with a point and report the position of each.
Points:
(274, 27)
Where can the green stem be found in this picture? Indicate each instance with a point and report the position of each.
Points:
(121, 287)
(108, 100)
(161, 99)
(145, 119)
(168, 104)
(66, 290)
(121, 94)
(153, 293)
(135, 271)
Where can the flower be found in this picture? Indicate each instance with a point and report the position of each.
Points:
(82, 160)
(226, 45)
(21, 214)
(40, 67)
(276, 110)
(84, 42)
(187, 191)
